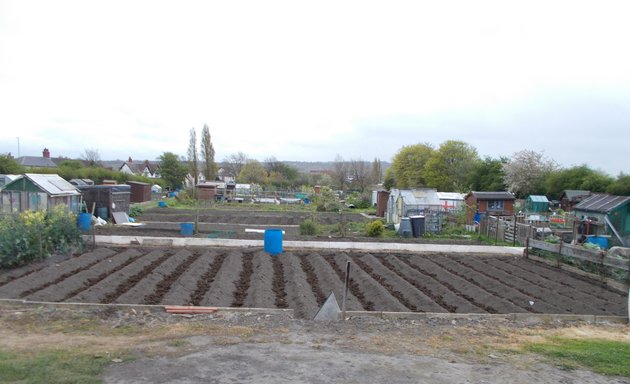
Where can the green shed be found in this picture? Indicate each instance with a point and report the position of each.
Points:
(35, 192)
(605, 215)
(537, 203)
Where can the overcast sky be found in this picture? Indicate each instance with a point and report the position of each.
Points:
(309, 80)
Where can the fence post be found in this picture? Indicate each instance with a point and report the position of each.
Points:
(559, 253)
(527, 247)
(514, 232)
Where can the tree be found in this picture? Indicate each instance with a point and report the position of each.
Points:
(252, 172)
(193, 160)
(207, 154)
(360, 172)
(621, 186)
(235, 162)
(172, 170)
(578, 177)
(448, 168)
(526, 171)
(9, 166)
(389, 180)
(339, 172)
(487, 175)
(408, 165)
(376, 173)
(92, 157)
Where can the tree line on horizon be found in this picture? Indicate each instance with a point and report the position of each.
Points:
(454, 166)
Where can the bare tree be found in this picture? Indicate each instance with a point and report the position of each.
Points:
(360, 172)
(207, 154)
(340, 172)
(193, 160)
(92, 157)
(235, 162)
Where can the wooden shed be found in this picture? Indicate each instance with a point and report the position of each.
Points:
(34, 192)
(498, 203)
(140, 192)
(106, 199)
(571, 197)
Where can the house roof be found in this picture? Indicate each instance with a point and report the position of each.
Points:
(36, 161)
(52, 184)
(601, 203)
(538, 198)
(575, 193)
(499, 195)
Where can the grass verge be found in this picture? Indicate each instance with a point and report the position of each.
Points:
(606, 357)
(52, 366)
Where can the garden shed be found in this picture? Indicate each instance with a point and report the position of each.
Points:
(537, 203)
(140, 192)
(106, 199)
(571, 197)
(34, 192)
(498, 203)
(605, 215)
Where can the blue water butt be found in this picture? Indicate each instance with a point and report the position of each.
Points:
(186, 229)
(85, 221)
(273, 241)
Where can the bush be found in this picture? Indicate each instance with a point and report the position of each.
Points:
(135, 211)
(375, 228)
(360, 201)
(327, 201)
(309, 228)
(35, 235)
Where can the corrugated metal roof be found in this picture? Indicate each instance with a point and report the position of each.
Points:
(52, 184)
(601, 203)
(450, 196)
(500, 195)
(538, 198)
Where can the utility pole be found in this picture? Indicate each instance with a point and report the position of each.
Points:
(18, 139)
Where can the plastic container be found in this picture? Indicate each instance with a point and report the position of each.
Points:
(186, 229)
(273, 241)
(162, 204)
(405, 227)
(102, 213)
(602, 242)
(85, 221)
(417, 225)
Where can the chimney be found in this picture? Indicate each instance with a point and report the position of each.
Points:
(46, 153)
(129, 160)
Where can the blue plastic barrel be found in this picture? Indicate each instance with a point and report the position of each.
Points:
(162, 204)
(85, 221)
(186, 229)
(273, 241)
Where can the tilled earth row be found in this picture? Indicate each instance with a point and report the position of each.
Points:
(248, 277)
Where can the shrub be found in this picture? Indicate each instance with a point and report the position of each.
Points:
(309, 228)
(327, 201)
(375, 228)
(35, 235)
(135, 211)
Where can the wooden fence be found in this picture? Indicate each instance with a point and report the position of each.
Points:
(508, 229)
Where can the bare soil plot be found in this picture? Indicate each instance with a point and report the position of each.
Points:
(248, 277)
